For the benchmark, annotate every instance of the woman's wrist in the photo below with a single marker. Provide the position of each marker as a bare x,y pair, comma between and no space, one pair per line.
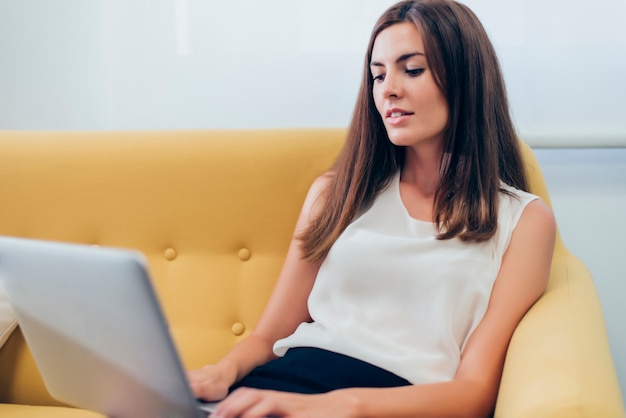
228,371
353,405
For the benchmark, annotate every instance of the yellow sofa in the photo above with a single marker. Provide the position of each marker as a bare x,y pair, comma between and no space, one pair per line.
213,211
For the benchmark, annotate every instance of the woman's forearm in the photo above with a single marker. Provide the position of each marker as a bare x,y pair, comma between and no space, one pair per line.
249,353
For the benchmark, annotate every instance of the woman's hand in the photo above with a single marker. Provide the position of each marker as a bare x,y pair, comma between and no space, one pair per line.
209,383
254,403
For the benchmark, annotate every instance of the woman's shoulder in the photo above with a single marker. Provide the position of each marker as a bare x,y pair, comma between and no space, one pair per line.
514,200
508,190
316,197
320,184
317,191
515,204
538,215
519,204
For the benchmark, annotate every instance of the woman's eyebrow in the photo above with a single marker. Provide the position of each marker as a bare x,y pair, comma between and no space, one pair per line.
400,59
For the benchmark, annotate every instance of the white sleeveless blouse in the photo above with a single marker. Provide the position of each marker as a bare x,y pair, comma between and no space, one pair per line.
391,294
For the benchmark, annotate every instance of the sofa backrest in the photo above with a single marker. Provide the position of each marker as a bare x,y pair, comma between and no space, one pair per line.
213,211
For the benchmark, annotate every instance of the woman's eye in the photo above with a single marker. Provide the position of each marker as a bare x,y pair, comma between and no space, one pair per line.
379,77
416,72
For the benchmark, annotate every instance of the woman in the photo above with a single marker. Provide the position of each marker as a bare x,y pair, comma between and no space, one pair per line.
415,257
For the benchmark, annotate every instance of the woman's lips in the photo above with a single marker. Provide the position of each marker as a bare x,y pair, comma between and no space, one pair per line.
397,116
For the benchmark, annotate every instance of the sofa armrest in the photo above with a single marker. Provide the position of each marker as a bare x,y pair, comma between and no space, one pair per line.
559,362
20,381
8,322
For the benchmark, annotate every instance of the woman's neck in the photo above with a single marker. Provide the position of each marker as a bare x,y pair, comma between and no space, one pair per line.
421,169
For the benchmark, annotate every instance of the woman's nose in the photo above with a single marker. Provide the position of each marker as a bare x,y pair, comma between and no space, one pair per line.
392,86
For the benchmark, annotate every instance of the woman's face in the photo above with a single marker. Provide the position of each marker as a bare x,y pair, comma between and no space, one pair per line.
413,108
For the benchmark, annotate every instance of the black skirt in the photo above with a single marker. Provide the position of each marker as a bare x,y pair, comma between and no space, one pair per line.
313,370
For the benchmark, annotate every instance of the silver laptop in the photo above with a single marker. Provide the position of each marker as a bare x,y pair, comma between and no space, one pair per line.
93,323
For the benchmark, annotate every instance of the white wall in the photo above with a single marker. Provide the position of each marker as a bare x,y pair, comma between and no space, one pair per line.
53,65
194,64
169,64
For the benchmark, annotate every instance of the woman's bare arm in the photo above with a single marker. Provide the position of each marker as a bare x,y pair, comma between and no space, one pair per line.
285,310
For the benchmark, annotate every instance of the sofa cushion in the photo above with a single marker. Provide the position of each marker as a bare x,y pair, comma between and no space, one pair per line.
7,317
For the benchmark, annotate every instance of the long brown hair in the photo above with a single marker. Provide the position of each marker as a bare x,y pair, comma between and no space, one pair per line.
480,147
